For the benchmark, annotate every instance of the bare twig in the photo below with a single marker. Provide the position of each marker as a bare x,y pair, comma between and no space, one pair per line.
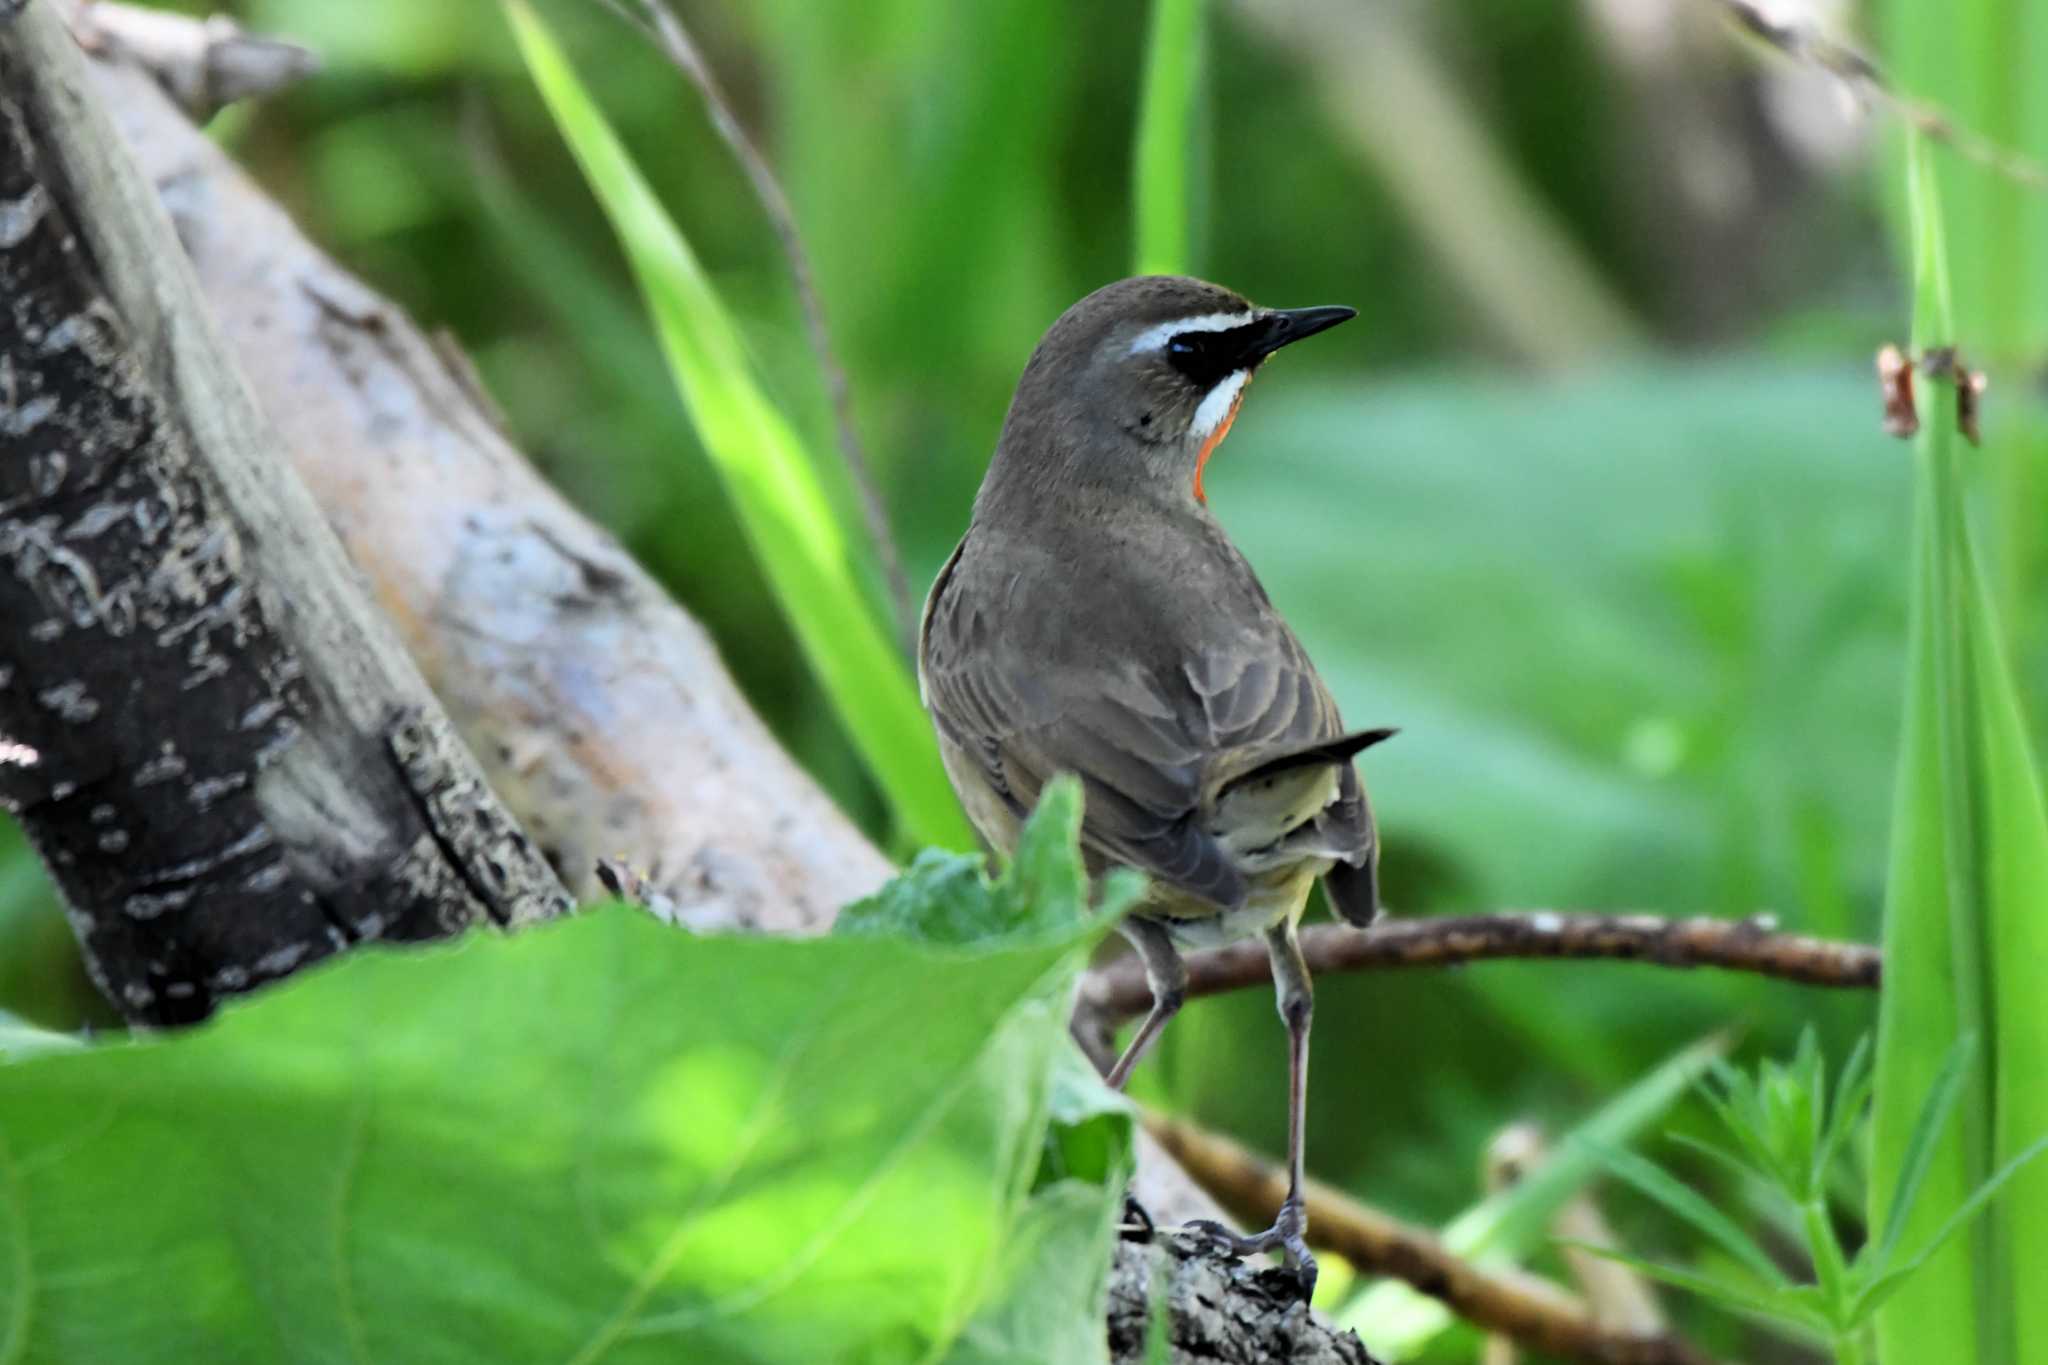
1809,46
1533,1311
204,65
1117,990
660,26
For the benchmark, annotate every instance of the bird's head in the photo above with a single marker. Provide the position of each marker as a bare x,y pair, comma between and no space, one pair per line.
1148,372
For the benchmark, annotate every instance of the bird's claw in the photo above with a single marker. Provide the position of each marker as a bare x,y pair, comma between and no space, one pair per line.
1286,1236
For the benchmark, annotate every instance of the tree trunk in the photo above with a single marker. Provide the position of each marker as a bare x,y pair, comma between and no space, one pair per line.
227,762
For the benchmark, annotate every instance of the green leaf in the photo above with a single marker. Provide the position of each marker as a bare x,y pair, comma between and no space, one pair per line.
596,1140
1046,879
1162,205
1689,1205
1056,1259
1090,1134
1726,1160
810,558
941,898
1884,1285
19,1038
945,898
1745,1111
1852,1093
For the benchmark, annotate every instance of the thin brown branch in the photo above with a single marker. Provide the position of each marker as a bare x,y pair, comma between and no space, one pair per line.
1531,1310
658,23
1808,45
1118,990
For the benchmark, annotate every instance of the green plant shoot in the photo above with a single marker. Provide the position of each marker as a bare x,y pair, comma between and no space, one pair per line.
1791,1136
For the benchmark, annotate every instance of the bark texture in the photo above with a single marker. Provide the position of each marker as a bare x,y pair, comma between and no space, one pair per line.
1219,1309
599,708
229,765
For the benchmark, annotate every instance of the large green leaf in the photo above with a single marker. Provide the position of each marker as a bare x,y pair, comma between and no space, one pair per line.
810,558
598,1140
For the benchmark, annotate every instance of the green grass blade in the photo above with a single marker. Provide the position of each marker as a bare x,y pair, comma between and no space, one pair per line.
1508,1227
1881,1287
1918,1157
811,560
1779,1306
1162,208
1852,1092
1967,945
1932,934
1689,1205
2015,835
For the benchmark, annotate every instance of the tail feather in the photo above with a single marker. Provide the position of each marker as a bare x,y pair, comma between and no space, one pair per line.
1322,753
1354,891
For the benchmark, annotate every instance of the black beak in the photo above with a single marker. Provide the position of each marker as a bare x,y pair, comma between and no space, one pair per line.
1285,326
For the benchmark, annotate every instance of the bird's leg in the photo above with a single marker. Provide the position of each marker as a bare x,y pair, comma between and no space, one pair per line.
1168,978
1296,999
1297,1003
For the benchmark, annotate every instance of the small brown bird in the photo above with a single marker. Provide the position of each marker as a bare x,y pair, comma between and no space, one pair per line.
1095,619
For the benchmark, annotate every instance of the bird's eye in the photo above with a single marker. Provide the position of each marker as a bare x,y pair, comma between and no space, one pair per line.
1180,346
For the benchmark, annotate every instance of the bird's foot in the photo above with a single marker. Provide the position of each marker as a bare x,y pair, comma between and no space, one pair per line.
1288,1236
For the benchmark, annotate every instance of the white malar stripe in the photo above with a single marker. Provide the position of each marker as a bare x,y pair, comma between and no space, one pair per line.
1216,405
1155,338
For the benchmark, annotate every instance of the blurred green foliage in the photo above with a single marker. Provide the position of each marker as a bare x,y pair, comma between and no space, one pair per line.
1641,620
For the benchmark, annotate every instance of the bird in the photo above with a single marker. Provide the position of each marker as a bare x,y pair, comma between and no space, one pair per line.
1096,619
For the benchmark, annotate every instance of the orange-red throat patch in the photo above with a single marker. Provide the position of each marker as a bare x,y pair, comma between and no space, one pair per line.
1216,439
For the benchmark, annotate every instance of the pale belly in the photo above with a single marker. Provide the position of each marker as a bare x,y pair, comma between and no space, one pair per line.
1276,896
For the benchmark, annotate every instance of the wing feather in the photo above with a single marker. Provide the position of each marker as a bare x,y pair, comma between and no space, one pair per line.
1141,739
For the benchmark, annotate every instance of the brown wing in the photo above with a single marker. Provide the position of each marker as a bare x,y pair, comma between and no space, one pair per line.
1140,738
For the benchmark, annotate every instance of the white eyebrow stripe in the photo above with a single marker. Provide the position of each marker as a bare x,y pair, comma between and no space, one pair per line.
1216,405
1155,338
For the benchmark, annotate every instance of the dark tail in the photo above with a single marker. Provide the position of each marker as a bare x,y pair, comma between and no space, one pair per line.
1328,752
1354,892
